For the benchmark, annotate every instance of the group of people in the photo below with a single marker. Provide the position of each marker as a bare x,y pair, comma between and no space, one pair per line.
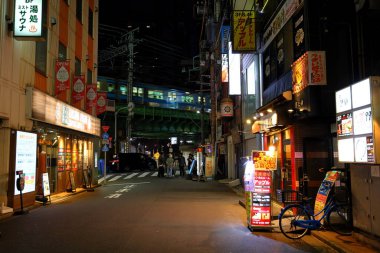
171,164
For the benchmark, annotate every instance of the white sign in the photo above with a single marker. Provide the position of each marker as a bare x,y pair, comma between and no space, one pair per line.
361,149
26,160
343,100
45,184
27,18
361,94
346,150
363,121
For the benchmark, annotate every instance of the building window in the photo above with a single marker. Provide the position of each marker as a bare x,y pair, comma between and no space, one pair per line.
41,56
78,68
188,99
123,89
172,96
79,10
90,21
156,94
138,92
89,76
62,51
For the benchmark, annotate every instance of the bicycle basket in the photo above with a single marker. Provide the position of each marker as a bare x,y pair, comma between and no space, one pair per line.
289,196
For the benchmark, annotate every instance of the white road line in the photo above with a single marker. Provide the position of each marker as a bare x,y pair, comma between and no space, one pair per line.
131,175
114,178
144,174
154,174
102,179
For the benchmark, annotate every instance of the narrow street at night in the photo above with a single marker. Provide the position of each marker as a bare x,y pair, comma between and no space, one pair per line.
144,213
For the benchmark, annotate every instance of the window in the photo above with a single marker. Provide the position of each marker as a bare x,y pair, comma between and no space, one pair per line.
123,89
79,10
41,56
138,92
188,99
157,94
172,96
200,99
77,67
90,21
62,51
89,76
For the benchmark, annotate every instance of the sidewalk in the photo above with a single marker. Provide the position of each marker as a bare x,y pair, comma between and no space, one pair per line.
343,244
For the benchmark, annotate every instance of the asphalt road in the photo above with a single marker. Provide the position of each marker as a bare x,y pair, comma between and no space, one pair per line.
145,214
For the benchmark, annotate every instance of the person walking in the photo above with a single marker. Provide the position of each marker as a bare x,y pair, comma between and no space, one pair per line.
175,165
169,165
182,164
161,165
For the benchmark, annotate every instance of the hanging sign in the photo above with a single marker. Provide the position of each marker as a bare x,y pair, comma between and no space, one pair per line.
91,97
27,18
243,23
78,88
62,70
101,102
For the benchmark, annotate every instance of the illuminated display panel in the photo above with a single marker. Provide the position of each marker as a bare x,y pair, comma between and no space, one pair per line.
346,150
363,121
343,100
361,94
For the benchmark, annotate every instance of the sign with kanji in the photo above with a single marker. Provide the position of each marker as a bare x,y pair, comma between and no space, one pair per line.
243,23
27,18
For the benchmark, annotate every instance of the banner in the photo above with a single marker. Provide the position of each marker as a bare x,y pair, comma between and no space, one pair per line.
91,97
62,76
101,102
78,88
243,31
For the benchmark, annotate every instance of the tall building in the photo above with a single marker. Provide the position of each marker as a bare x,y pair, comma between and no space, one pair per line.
48,124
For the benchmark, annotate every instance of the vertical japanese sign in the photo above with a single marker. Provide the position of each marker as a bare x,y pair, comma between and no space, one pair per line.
226,31
27,18
243,31
91,97
62,74
101,102
261,200
26,159
78,88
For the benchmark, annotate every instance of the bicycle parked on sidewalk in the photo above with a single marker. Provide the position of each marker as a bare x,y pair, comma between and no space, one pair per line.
298,218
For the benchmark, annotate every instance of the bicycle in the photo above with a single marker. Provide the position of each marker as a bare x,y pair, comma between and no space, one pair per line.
298,218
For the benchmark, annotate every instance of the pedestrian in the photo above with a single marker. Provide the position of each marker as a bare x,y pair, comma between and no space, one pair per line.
175,165
182,164
169,165
161,165
190,159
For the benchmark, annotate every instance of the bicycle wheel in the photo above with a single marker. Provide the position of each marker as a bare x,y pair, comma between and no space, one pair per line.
339,219
287,219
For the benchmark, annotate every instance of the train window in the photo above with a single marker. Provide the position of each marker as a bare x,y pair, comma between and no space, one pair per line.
138,92
157,94
188,99
123,89
111,87
172,96
199,99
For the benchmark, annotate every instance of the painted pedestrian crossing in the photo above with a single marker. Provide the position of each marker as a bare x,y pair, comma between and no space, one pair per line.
131,175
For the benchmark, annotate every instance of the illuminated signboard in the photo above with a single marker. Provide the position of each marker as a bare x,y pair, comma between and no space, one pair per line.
28,18
355,122
53,111
26,160
261,199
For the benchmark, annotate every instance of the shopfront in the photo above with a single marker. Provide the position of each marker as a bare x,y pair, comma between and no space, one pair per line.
67,138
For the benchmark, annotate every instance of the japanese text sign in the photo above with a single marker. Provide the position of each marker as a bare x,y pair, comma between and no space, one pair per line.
243,31
28,18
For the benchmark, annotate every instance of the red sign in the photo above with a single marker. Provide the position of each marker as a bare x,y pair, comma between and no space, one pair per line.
78,88
91,97
105,128
101,103
62,76
260,208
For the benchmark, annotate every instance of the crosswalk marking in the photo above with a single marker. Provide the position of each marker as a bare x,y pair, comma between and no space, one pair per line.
114,178
144,174
131,175
102,179
154,174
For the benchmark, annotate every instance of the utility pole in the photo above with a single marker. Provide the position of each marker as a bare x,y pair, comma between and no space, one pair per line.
131,44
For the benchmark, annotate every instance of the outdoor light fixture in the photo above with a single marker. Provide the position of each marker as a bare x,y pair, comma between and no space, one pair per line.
248,121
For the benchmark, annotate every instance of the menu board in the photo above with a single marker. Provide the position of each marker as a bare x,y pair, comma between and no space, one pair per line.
26,160
354,120
261,199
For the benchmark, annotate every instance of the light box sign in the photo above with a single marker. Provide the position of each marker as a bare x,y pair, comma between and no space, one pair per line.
26,160
355,122
28,18
53,111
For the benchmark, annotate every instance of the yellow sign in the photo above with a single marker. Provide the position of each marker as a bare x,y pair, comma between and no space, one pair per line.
243,31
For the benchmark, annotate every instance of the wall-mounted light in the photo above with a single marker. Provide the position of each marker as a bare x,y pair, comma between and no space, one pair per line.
53,21
248,121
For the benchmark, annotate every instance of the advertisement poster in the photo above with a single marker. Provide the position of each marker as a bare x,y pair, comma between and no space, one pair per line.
264,160
91,97
243,23
26,160
101,102
323,192
46,185
78,88
261,199
62,80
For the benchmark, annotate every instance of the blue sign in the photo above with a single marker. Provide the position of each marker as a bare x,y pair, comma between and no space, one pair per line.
105,136
105,148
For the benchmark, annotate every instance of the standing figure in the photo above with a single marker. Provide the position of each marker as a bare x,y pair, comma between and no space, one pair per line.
161,165
182,164
175,166
169,165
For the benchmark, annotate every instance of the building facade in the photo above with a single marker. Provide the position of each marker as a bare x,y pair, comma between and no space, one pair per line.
45,47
